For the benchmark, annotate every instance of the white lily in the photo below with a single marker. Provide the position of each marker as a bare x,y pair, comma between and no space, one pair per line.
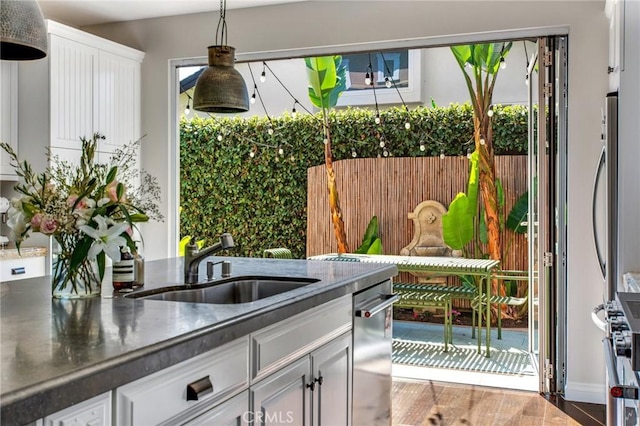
106,238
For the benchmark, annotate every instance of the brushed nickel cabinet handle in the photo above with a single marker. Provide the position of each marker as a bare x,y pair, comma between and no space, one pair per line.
199,388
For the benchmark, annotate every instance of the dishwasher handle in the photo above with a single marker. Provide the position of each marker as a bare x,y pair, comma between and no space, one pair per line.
376,306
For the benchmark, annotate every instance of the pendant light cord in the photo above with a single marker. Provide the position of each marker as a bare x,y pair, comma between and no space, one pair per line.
222,24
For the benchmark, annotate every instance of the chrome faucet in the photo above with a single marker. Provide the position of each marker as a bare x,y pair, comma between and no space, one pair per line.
193,256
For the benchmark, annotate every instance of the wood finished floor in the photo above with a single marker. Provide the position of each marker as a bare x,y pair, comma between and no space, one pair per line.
417,403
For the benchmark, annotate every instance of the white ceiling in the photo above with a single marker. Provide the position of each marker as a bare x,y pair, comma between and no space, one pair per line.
90,12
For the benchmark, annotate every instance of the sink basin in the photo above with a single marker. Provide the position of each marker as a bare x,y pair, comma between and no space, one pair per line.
228,291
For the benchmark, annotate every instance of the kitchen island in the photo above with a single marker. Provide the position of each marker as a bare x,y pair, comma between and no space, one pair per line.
57,353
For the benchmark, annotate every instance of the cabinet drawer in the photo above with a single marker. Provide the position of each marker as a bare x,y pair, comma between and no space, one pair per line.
163,395
283,342
26,267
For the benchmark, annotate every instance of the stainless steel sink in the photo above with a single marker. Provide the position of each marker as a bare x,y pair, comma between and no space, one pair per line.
227,291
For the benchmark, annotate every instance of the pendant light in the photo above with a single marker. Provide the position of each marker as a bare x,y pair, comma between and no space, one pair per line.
220,88
23,34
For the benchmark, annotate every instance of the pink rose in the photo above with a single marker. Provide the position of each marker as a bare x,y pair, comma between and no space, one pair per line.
111,192
48,225
36,222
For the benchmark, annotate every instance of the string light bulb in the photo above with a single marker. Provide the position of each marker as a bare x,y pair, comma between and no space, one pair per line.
382,143
490,113
407,125
253,97
252,154
263,75
422,147
469,152
270,130
387,82
294,113
354,154
442,155
187,109
367,79
526,80
280,151
219,136
482,142
385,153
377,119
503,63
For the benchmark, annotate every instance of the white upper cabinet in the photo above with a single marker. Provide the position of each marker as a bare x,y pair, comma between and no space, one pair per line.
8,115
94,88
614,10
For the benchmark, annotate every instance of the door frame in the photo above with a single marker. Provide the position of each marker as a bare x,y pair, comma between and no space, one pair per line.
559,311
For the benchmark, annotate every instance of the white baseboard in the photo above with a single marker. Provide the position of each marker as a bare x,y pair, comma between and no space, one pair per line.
585,392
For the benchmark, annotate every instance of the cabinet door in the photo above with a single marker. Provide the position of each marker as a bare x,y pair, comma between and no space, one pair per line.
92,412
331,374
234,412
8,115
117,100
283,397
72,73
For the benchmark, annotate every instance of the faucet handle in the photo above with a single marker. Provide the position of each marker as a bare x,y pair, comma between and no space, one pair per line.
192,246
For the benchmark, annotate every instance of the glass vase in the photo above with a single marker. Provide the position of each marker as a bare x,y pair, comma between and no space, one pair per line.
69,281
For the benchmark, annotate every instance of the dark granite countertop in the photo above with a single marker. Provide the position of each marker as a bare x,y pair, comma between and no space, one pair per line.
55,353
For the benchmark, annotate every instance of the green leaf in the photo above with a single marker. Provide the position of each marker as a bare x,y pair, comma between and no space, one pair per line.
473,187
80,252
518,214
370,235
111,175
376,247
457,223
101,258
326,78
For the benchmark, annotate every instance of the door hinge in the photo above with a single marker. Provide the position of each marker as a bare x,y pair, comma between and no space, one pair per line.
547,90
547,261
548,58
548,372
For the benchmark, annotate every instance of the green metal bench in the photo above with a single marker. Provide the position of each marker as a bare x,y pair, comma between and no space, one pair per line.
278,253
441,266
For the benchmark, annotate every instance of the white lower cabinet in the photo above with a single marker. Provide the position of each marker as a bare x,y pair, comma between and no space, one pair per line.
177,394
92,412
234,412
295,372
24,267
315,389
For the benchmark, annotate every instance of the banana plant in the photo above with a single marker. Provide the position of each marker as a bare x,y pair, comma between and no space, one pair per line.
327,80
371,243
480,64
458,222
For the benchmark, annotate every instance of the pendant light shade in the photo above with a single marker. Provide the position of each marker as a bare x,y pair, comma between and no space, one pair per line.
23,34
220,88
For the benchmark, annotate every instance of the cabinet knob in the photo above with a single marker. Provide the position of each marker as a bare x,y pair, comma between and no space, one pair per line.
199,388
319,380
312,385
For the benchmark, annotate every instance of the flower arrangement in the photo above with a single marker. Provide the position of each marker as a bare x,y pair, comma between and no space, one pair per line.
90,210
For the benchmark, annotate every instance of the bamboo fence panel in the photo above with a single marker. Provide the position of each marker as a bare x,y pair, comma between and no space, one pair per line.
391,188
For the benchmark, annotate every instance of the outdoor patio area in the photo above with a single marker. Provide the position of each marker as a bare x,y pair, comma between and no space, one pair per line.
418,353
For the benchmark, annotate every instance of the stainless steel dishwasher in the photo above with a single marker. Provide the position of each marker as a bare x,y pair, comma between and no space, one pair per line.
372,309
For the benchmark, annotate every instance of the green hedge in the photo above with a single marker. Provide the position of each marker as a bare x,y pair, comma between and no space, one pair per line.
261,199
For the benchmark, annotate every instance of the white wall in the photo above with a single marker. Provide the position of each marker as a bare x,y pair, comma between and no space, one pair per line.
320,23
